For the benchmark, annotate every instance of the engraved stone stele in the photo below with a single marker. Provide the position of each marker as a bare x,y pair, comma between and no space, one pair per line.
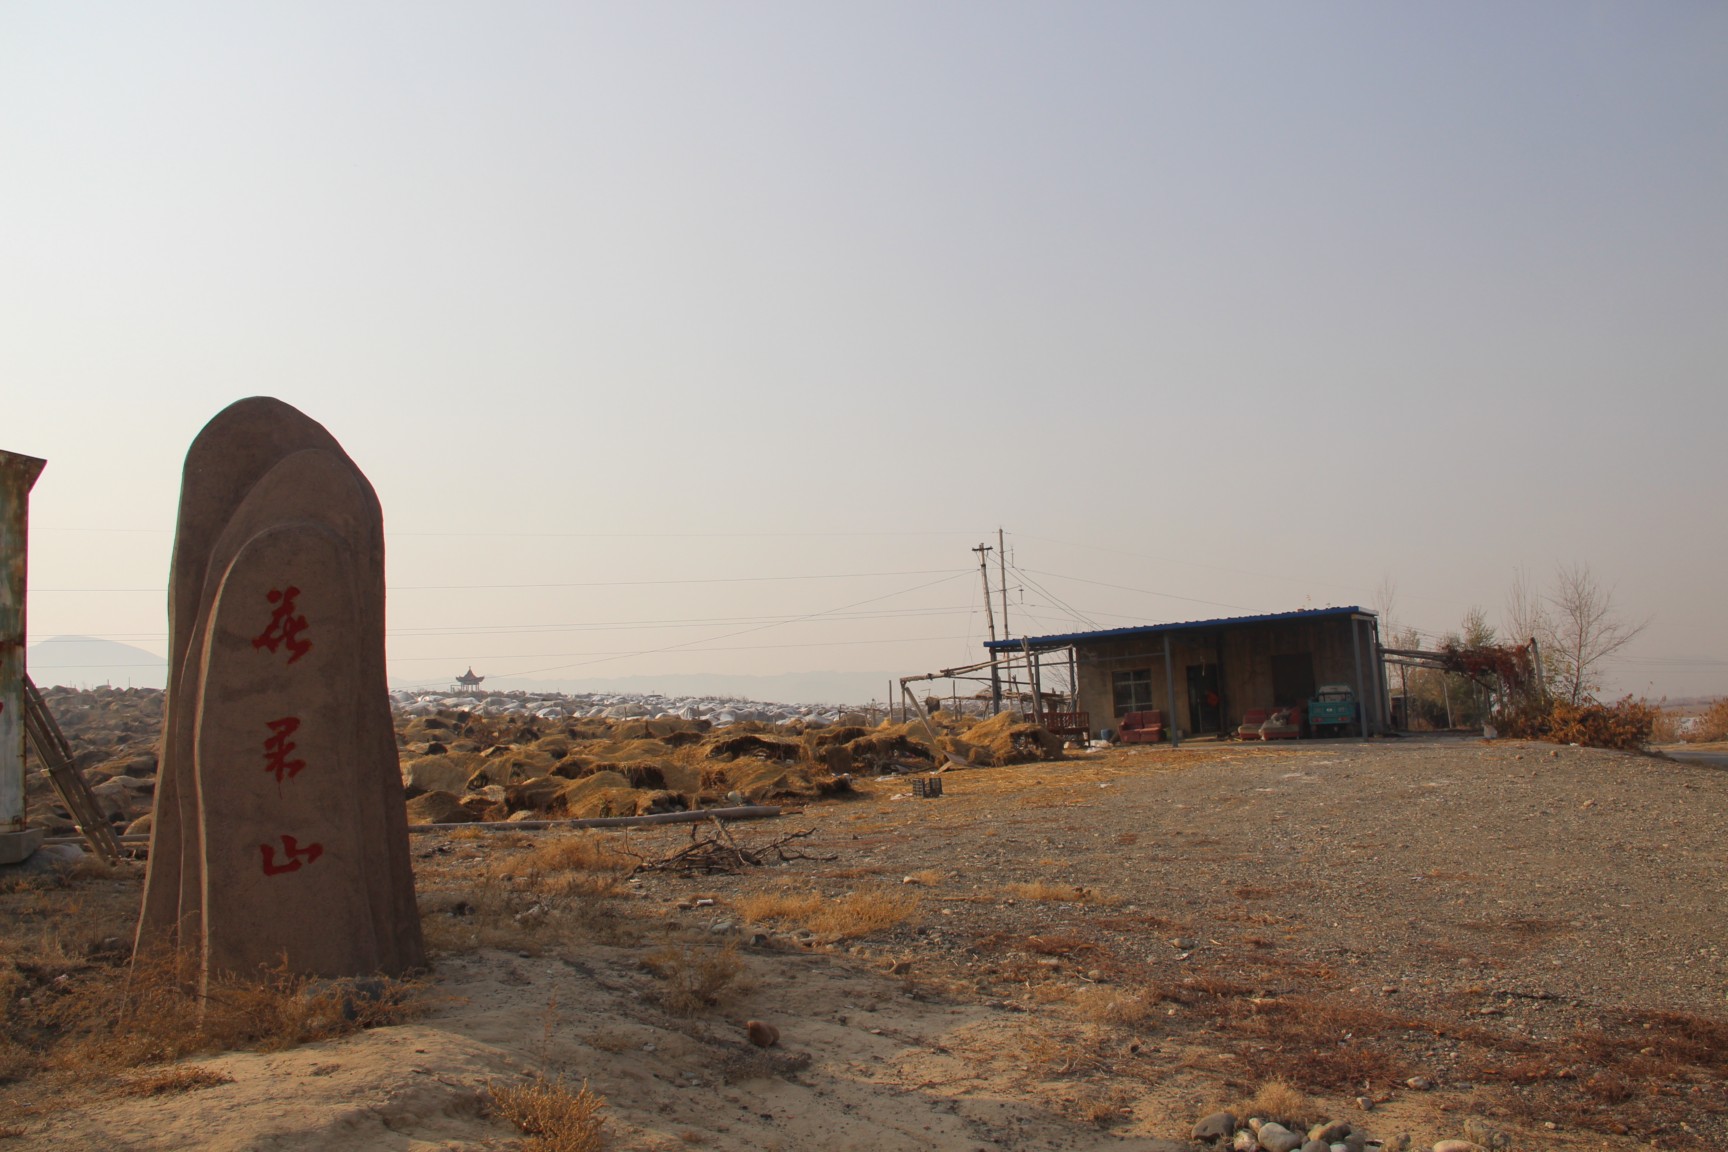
280,834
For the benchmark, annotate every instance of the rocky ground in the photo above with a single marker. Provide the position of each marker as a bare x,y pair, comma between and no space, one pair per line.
513,757
1440,939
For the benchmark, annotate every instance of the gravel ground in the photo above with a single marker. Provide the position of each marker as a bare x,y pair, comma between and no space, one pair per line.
1534,930
1575,880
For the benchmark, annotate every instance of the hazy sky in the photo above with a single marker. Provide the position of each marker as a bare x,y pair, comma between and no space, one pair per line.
661,326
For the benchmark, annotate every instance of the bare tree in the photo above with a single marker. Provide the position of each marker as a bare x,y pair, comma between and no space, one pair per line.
1586,629
1386,604
1525,614
1525,617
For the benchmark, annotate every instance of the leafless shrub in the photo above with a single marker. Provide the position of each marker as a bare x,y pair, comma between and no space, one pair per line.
692,979
553,1118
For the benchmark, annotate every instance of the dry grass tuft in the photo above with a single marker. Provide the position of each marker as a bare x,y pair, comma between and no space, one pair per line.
852,914
578,852
560,888
693,978
585,865
781,904
100,1019
1058,944
1124,1007
1278,1100
1051,892
1101,1106
187,1079
552,1117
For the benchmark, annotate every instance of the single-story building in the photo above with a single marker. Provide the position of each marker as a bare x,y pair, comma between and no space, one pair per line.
1205,675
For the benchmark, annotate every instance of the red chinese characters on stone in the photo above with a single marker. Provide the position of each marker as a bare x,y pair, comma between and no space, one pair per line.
277,746
284,628
292,856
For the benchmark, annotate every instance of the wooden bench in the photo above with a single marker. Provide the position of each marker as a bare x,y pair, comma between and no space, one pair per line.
1076,726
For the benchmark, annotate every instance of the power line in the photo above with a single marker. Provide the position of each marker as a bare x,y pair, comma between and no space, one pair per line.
758,628
1142,591
82,635
598,583
392,534
459,657
1077,616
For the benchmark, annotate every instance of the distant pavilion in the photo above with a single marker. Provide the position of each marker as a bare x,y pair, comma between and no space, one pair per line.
468,679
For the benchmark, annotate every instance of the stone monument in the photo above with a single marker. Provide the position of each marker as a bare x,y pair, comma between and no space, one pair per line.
279,833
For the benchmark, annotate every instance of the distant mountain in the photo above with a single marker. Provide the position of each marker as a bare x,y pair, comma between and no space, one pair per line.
786,687
86,661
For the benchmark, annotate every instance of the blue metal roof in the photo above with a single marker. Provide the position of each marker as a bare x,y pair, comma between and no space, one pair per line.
1063,640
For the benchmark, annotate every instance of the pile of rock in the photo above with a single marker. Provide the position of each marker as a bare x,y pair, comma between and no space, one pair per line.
114,734
1254,1134
1223,1130
496,757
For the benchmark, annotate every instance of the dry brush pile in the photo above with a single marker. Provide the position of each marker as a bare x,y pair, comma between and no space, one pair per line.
458,767
461,768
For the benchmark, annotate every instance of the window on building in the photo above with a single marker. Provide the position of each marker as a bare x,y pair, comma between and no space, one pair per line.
1133,690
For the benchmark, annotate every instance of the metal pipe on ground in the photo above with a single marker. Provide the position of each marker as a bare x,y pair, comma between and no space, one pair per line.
744,812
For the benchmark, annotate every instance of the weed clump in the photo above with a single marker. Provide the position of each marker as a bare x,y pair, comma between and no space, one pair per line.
1279,1100
692,979
104,1020
852,914
553,1118
1050,892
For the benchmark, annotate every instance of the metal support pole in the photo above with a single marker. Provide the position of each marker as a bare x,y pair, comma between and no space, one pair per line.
990,619
1361,700
1404,685
1170,697
1377,683
1382,686
17,476
1037,687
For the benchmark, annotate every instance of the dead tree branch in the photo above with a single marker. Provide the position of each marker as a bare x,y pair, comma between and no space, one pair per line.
717,852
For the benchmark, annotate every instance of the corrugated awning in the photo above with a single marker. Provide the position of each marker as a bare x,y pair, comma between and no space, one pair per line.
1063,640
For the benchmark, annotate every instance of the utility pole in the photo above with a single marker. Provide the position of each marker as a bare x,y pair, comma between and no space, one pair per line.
983,551
1002,559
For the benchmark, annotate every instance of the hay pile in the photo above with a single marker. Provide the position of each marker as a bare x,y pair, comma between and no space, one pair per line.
459,767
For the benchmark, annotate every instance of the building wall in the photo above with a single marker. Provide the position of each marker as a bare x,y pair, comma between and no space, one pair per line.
1243,656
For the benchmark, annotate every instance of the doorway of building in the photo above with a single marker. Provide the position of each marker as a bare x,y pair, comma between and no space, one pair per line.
1292,679
1205,705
